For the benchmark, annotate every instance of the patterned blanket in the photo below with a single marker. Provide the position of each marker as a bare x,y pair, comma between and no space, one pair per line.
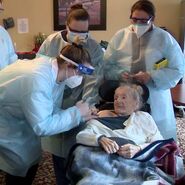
93,166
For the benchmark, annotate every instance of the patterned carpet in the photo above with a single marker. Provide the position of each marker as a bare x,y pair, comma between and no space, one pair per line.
45,174
181,134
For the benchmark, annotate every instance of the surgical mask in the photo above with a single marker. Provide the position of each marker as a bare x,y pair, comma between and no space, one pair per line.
73,81
141,29
73,35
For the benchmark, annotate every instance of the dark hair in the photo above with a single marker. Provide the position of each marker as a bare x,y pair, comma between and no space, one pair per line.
78,54
77,12
144,5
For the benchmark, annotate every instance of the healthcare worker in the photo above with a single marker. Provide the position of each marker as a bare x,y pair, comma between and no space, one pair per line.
150,55
7,51
77,30
30,100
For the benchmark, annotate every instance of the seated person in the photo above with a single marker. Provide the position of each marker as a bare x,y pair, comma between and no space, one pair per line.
122,133
135,125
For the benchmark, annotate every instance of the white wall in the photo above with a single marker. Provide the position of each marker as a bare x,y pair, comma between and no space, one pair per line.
40,16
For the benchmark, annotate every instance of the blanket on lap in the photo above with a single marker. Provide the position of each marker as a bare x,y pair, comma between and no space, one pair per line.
92,165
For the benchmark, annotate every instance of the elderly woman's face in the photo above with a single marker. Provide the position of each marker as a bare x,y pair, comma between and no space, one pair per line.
124,102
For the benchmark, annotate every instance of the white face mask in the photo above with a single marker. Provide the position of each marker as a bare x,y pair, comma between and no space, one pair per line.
71,35
140,29
73,81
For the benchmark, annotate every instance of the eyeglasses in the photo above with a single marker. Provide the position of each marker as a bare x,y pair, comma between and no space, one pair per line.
140,20
79,67
76,31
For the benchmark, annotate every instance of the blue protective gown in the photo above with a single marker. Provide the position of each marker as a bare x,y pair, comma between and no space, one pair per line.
88,90
30,101
7,51
126,52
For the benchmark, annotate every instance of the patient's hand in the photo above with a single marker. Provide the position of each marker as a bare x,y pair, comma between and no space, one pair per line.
108,145
128,150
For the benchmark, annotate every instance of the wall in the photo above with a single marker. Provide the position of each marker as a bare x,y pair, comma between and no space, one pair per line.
40,16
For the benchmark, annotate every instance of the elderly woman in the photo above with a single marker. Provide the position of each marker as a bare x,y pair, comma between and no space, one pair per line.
107,144
115,148
134,125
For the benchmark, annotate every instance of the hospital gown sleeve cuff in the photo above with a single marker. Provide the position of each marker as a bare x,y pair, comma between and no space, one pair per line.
151,81
98,139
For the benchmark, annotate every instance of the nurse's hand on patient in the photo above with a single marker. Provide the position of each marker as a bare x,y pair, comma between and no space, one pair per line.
128,150
85,111
108,145
142,77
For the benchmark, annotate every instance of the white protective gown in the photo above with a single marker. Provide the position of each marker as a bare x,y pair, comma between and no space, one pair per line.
139,128
89,89
60,144
126,52
7,51
30,101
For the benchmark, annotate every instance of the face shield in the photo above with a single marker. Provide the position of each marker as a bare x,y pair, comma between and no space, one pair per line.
87,70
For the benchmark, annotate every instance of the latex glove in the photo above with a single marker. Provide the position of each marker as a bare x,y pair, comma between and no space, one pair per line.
85,111
108,145
142,77
128,150
126,76
94,110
